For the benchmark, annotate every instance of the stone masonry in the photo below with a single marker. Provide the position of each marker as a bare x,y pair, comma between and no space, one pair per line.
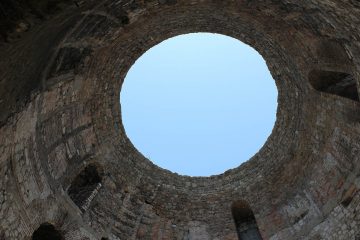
62,64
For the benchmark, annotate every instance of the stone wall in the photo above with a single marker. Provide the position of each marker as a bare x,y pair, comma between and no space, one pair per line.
59,102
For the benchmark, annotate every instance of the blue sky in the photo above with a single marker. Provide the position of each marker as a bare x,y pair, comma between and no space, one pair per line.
199,104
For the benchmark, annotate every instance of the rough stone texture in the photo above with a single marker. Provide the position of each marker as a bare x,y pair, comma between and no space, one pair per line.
59,112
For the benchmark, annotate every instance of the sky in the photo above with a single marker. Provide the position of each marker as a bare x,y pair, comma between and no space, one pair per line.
199,104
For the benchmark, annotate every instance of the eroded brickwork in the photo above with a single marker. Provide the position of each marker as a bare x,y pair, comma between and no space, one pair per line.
60,112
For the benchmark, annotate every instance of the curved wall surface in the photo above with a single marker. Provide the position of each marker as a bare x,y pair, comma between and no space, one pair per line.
66,163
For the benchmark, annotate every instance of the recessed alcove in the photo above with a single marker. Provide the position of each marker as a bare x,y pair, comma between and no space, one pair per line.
245,222
337,83
85,186
47,231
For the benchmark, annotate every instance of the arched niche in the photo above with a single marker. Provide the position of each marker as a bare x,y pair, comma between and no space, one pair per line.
47,231
85,186
337,83
245,222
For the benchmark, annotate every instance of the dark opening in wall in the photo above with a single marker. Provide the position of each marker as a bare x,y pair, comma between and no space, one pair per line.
85,187
346,202
349,196
338,83
245,221
46,231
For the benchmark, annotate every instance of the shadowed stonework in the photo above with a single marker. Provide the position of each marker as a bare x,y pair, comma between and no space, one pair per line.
84,187
245,221
60,75
46,231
